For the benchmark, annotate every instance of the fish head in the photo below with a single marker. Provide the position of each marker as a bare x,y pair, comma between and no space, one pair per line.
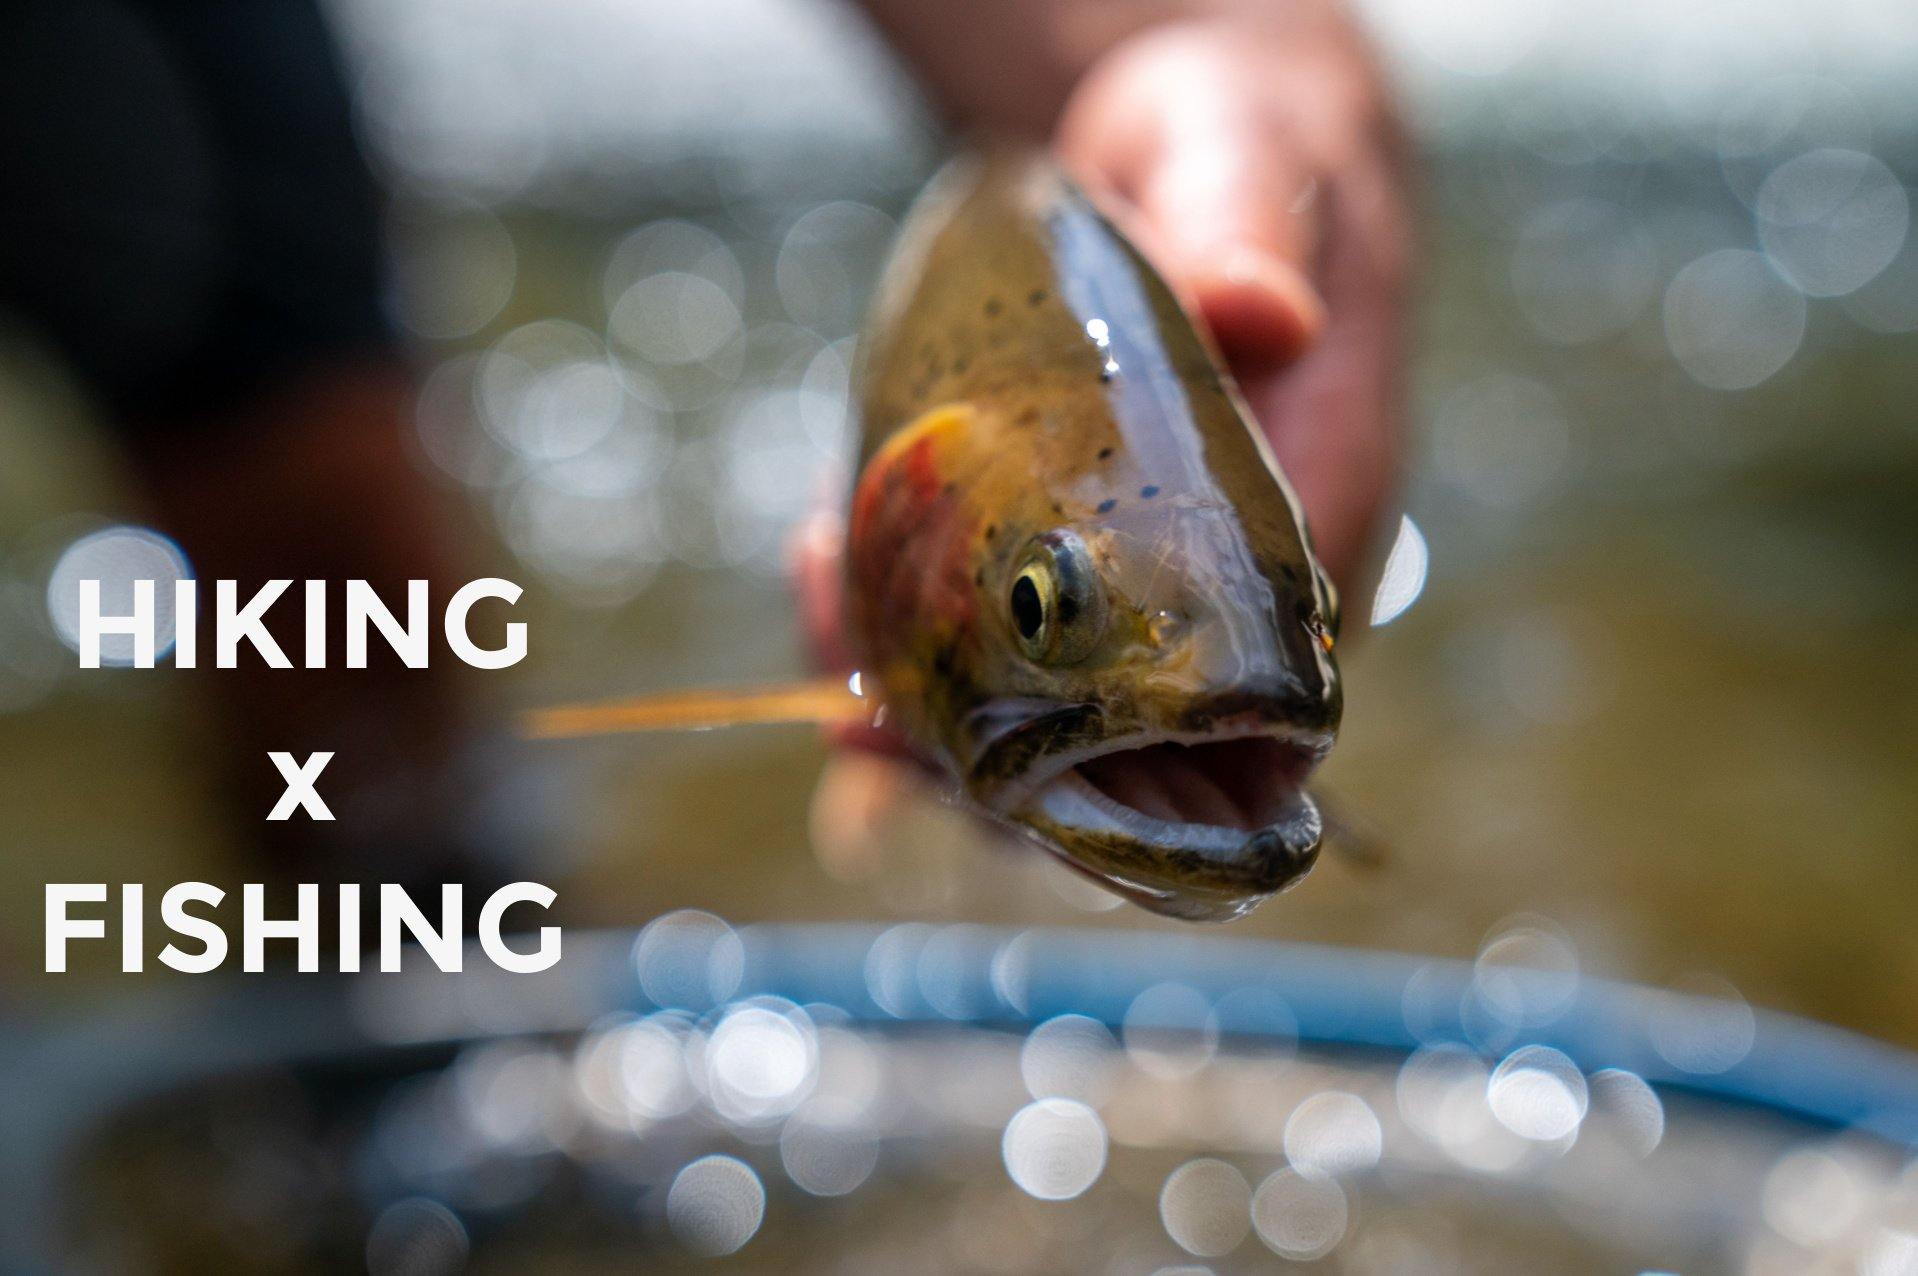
1149,687
1076,575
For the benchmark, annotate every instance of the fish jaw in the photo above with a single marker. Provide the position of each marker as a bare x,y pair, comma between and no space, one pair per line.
1201,824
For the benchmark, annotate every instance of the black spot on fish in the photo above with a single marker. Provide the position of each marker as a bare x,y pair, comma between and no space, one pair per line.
1108,505
960,365
1068,608
1058,508
1037,297
1104,452
979,578
1029,416
1107,372
992,530
1291,573
1149,491
993,307
951,488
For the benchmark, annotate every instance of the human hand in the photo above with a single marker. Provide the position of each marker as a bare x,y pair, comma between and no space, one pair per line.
1258,166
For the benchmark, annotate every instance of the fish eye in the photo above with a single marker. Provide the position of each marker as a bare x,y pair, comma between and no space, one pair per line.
1056,603
1028,608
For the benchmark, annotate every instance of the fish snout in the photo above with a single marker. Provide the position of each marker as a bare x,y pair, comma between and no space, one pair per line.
1282,702
1268,663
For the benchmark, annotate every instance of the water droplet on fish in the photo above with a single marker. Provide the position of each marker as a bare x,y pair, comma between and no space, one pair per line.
852,685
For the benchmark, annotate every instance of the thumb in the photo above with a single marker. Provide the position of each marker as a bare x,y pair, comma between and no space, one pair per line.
1234,226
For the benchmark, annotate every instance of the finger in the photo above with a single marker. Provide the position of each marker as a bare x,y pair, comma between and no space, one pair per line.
1334,419
1224,203
857,798
1234,223
814,555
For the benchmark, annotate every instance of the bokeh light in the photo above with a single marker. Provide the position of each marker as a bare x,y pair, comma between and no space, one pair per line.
1704,1026
1069,1057
1631,1108
1582,270
1169,1030
117,557
688,958
826,1150
1812,1197
1538,1094
1731,321
1300,1218
1832,219
1333,1133
1204,1206
761,1061
715,1205
1054,1149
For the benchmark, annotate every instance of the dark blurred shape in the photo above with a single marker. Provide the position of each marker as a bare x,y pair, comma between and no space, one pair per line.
193,228
188,215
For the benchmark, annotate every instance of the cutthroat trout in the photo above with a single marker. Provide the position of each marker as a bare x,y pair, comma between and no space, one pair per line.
1076,580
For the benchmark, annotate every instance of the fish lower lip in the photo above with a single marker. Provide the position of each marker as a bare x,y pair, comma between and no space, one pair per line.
1292,846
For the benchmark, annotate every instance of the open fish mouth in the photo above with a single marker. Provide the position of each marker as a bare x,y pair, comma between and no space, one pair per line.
1202,827
1231,786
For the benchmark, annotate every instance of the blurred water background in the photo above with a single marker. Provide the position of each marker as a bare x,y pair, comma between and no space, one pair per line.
1180,1119
1644,683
